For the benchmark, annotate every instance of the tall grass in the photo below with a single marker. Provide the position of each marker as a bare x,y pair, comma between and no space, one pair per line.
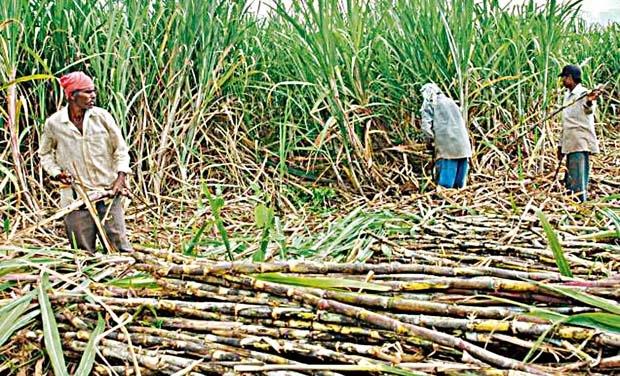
204,90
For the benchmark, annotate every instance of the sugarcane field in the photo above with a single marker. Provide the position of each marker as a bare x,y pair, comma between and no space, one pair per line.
316,187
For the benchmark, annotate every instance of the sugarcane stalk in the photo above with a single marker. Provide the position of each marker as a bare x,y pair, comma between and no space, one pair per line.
308,267
393,325
225,342
511,326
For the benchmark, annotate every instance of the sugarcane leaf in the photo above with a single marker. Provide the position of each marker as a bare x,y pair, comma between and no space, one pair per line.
6,225
319,282
140,280
261,252
615,218
545,315
596,320
20,323
13,266
31,77
539,342
189,249
533,310
594,301
263,216
398,371
10,313
88,357
216,204
51,336
556,248
6,285
259,255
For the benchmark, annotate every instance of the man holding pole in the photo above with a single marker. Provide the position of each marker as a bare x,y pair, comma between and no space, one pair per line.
82,148
578,134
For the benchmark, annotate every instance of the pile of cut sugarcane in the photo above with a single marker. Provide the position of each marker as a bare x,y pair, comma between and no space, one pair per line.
157,312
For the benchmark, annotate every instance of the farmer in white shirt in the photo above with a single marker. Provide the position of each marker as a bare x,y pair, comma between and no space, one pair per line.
578,134
443,122
82,144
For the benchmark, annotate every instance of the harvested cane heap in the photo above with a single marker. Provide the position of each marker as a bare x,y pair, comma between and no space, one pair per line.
453,305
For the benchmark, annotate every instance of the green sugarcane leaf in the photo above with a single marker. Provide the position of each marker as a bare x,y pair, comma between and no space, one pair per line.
51,336
10,313
189,249
6,225
259,255
321,283
88,358
546,315
6,285
31,77
556,248
398,371
263,216
216,203
539,342
13,266
601,235
261,252
594,301
20,323
615,218
596,320
140,280
533,310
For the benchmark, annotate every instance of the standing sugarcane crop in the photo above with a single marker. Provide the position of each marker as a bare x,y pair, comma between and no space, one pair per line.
442,121
81,140
578,134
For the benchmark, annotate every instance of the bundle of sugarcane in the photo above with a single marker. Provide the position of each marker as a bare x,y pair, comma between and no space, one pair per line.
163,313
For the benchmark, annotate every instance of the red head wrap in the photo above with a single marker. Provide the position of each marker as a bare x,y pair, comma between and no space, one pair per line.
75,81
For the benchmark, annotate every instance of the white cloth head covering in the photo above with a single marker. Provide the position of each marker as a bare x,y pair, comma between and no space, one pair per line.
430,91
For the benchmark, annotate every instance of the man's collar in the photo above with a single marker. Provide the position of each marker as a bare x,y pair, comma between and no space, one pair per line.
64,115
578,89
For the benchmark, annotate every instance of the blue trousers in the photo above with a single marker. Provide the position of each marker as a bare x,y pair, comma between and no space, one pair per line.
451,173
578,175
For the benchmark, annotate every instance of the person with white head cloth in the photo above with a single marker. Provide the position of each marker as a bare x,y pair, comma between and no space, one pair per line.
442,122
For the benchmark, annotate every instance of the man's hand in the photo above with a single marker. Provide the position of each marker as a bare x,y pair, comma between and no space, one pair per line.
429,145
64,177
593,95
118,187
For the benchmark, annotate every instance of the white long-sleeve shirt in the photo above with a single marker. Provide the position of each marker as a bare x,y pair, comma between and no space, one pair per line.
97,155
443,122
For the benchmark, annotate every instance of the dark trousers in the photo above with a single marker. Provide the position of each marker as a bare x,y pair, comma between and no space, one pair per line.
82,231
578,174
